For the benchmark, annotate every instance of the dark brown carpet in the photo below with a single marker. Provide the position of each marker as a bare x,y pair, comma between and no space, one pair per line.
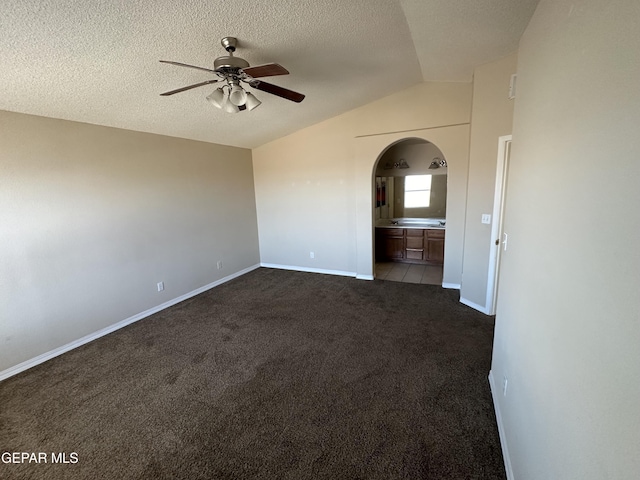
274,375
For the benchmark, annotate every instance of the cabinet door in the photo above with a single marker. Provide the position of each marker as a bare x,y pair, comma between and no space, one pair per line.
389,243
393,247
435,250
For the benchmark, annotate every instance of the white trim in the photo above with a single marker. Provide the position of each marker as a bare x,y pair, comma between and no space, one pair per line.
364,277
475,306
309,269
21,367
455,286
496,226
501,432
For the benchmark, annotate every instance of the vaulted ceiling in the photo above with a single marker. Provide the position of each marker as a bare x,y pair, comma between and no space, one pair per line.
96,61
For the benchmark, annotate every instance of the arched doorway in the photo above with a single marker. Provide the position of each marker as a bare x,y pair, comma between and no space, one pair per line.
409,211
453,141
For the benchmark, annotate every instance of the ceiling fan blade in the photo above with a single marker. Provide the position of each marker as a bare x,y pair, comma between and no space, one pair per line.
279,91
189,66
266,70
188,87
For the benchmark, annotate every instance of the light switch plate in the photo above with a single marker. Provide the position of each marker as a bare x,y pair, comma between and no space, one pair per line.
486,218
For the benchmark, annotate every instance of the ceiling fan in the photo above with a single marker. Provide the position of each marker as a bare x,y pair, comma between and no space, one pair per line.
231,72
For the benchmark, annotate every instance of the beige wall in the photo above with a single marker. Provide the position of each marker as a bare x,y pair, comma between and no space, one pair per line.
491,117
93,217
568,320
314,187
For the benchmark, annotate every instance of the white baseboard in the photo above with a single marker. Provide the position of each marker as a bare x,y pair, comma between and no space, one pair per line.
364,277
503,438
310,270
455,286
475,306
21,367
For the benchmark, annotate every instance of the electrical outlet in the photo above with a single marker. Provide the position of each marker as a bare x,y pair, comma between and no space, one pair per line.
486,218
219,264
160,286
505,382
312,255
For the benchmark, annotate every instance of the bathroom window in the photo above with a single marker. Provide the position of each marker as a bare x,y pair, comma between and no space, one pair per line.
417,191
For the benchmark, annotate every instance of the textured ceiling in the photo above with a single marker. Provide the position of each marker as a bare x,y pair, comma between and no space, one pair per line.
96,61
451,37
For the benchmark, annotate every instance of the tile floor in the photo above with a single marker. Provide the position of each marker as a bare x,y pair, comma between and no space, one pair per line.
409,273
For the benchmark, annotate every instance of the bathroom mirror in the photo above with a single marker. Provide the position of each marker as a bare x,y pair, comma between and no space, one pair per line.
411,181
412,196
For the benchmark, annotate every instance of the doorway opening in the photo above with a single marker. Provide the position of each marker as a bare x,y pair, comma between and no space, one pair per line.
409,212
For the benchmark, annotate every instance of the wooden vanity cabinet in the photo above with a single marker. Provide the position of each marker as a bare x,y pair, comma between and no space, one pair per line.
410,245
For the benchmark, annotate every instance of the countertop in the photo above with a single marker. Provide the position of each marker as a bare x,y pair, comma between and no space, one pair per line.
423,224
423,227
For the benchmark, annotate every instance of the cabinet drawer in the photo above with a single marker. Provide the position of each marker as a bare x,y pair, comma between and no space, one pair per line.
415,232
390,232
415,242
432,233
414,254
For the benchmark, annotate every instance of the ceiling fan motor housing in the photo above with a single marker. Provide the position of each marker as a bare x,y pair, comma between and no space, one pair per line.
229,64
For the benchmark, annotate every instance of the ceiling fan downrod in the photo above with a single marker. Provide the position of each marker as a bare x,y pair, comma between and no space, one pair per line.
228,64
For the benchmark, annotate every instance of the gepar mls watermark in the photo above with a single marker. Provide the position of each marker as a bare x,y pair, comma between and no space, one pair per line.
39,457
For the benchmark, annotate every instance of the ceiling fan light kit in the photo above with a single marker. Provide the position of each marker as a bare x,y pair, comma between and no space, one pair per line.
237,95
216,97
252,101
231,71
230,107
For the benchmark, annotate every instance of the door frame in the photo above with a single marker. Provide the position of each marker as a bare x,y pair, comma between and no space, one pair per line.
502,167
